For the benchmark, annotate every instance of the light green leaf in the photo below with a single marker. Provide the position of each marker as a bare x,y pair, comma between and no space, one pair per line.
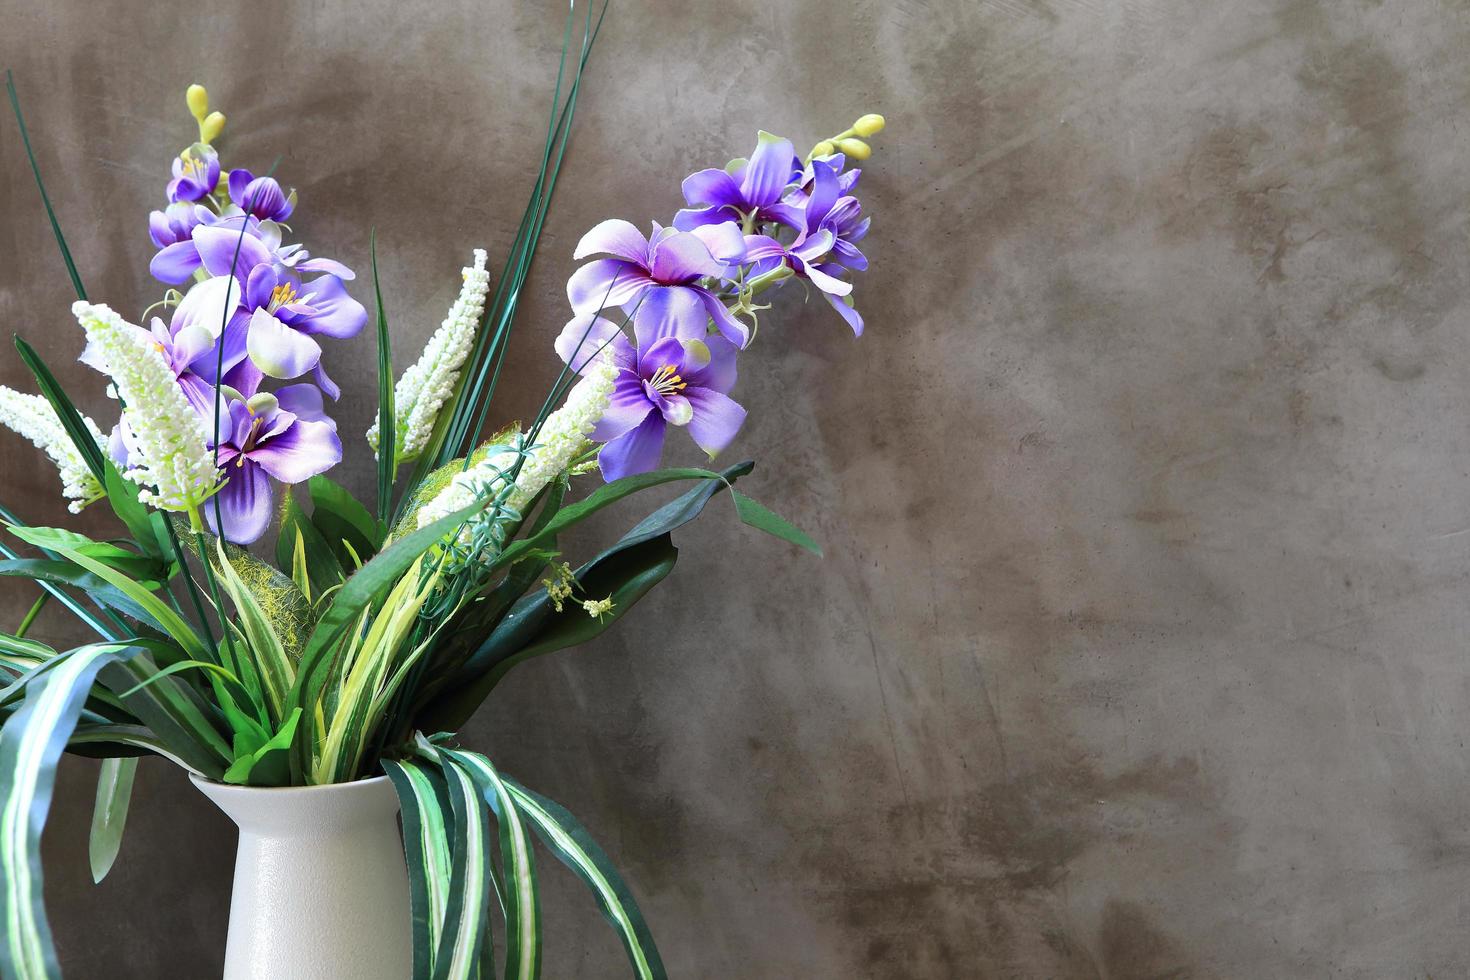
110,813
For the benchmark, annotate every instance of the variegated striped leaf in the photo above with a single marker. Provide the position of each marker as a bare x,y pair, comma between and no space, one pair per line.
31,742
574,847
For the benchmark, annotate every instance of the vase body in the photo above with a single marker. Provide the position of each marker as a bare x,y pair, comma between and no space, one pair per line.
321,888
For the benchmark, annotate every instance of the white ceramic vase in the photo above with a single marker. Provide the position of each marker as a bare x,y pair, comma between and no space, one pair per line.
321,888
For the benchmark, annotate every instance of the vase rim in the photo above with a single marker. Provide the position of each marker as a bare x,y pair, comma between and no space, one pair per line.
215,786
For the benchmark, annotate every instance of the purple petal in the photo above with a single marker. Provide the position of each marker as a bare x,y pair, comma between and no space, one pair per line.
244,377
759,248
681,257
259,285
635,451
824,193
625,409
327,385
585,335
217,249
787,214
200,394
302,451
735,331
614,237
716,420
336,313
770,169
329,266
239,181
668,312
159,229
232,354
279,351
712,187
725,242
665,352
605,282
843,305
190,343
244,502
204,306
175,263
847,254
827,282
689,219
718,372
305,402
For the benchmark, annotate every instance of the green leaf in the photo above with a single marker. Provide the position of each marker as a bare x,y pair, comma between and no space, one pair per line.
322,568
25,138
464,931
366,586
31,743
763,519
175,625
424,803
110,813
344,522
387,429
603,496
522,904
574,847
628,577
58,572
71,419
266,653
266,765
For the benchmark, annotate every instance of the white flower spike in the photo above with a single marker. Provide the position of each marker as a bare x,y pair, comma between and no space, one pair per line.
33,417
427,384
167,441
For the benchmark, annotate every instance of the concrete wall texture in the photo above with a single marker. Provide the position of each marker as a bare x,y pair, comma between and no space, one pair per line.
1138,646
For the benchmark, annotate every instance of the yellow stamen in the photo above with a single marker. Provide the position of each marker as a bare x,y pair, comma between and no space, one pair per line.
666,382
282,295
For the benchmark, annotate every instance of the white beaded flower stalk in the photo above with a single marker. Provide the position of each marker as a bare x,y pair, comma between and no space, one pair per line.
562,438
427,384
32,417
167,440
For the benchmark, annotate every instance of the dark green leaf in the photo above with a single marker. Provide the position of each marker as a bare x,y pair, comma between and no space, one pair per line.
340,517
387,430
763,519
25,138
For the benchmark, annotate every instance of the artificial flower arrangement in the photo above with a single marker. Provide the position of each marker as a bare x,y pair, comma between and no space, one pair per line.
351,640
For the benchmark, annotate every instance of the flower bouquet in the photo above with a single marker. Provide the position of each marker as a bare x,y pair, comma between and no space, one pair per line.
261,627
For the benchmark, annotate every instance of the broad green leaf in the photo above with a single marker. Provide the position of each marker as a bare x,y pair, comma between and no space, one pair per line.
267,765
467,904
763,519
574,847
299,534
423,800
345,523
58,572
110,813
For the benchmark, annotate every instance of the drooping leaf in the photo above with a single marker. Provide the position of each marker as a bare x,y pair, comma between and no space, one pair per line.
110,813
574,847
764,519
31,742
424,802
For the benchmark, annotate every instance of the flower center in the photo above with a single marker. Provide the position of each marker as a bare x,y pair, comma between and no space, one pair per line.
282,295
193,166
249,443
666,382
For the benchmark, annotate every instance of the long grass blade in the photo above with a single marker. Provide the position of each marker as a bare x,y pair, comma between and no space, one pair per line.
25,138
387,431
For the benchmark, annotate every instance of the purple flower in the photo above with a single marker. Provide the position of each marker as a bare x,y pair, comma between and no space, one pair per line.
269,436
826,203
670,261
753,187
814,255
196,172
678,374
261,197
285,312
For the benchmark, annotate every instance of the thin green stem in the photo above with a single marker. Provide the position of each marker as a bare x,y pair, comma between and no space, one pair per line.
25,624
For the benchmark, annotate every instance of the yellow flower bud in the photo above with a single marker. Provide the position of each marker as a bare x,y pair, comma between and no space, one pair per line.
824,149
210,128
869,125
856,149
198,100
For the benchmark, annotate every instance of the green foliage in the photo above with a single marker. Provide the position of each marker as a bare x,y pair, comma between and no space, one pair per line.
110,813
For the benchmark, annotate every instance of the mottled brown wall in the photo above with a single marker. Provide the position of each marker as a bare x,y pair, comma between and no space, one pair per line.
1138,647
